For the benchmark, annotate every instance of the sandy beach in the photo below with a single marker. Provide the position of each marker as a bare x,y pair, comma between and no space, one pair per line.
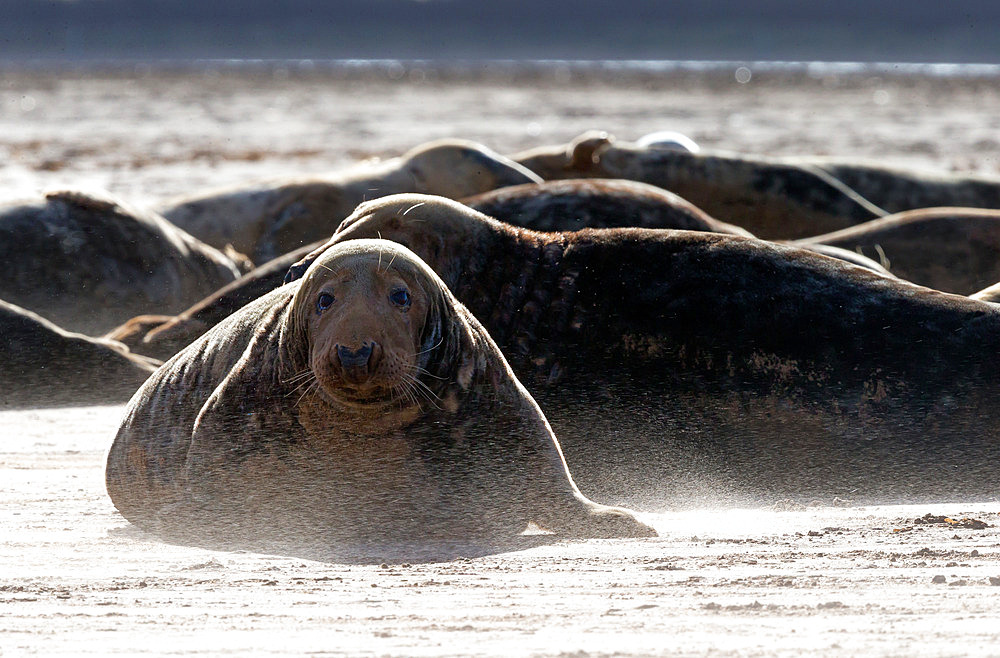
791,577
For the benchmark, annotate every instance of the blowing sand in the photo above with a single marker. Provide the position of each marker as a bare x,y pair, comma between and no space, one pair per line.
785,579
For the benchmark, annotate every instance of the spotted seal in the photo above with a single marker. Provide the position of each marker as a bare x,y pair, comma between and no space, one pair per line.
363,401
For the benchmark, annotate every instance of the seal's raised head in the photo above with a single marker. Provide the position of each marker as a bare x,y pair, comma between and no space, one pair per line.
372,314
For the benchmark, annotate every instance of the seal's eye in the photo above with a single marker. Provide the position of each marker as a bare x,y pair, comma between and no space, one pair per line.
323,302
400,297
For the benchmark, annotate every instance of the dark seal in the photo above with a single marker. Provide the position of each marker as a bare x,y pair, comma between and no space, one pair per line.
570,205
954,250
771,198
364,402
89,263
42,365
691,366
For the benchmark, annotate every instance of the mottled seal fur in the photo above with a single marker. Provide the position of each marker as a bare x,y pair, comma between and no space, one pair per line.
272,218
89,262
771,198
685,365
363,402
569,205
954,250
42,365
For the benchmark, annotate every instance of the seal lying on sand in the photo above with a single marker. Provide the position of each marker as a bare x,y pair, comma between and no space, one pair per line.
896,190
89,263
770,198
42,365
162,336
686,364
570,205
364,402
949,249
277,217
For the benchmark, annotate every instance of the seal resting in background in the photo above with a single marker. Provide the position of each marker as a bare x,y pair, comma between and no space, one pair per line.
88,262
897,189
275,217
570,205
162,336
364,402
954,250
771,198
42,365
693,366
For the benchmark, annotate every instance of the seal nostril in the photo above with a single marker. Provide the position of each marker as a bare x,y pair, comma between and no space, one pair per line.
354,358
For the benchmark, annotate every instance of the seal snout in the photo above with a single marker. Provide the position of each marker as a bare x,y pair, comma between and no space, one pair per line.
358,364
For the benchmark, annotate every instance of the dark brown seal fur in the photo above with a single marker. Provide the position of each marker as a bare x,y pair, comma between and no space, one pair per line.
340,408
272,218
570,205
949,249
88,263
42,365
668,360
771,198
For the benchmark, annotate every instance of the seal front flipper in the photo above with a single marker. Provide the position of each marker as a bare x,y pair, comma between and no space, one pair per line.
541,489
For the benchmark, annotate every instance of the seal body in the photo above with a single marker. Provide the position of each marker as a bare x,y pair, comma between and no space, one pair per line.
771,198
162,336
570,205
363,402
272,218
896,190
42,365
954,250
694,366
89,263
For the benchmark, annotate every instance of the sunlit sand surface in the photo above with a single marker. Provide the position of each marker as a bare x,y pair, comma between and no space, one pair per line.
76,579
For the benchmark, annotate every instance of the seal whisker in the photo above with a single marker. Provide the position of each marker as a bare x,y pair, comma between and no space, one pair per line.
413,207
298,376
432,347
425,372
306,382
422,389
313,385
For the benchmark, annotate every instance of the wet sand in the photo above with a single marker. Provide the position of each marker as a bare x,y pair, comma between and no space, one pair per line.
784,579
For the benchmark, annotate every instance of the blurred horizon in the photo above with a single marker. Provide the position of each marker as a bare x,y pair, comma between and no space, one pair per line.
918,31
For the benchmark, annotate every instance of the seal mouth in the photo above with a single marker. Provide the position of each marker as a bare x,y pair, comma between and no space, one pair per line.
370,398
